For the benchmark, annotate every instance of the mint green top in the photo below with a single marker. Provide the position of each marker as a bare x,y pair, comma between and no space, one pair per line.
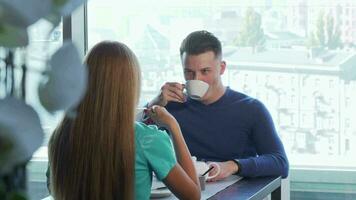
154,153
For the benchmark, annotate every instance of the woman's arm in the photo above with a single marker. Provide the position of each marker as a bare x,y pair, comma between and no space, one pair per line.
182,180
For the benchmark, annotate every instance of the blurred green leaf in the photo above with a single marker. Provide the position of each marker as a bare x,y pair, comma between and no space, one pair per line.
5,148
11,36
17,196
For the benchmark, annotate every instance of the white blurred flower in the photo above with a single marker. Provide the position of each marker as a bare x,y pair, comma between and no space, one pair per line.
67,80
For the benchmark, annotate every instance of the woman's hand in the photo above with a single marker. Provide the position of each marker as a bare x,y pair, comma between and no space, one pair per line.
161,116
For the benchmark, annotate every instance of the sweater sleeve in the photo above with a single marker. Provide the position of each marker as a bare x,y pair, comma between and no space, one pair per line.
271,158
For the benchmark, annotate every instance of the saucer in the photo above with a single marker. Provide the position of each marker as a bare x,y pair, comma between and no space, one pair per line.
160,193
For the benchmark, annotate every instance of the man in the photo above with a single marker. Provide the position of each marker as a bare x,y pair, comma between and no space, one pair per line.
225,126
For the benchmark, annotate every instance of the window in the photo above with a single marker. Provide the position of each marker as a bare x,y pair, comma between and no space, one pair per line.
347,102
304,80
331,83
246,79
155,33
292,99
292,81
317,82
347,123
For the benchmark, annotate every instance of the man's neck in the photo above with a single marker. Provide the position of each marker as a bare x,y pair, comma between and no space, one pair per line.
218,93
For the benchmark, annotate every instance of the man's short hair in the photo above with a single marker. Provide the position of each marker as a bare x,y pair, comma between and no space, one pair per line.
199,42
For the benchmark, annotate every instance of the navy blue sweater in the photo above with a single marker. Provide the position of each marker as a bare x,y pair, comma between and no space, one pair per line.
234,127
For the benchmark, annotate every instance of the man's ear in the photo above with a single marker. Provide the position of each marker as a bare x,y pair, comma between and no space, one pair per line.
222,67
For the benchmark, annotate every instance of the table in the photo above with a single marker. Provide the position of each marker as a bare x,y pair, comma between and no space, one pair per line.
248,188
211,188
252,189
242,189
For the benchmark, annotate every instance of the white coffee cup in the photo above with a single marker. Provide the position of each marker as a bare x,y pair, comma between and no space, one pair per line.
196,89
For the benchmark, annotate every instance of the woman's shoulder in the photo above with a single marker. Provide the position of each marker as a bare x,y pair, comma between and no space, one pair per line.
145,129
142,131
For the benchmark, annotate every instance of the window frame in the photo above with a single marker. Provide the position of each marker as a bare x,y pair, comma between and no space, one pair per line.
75,28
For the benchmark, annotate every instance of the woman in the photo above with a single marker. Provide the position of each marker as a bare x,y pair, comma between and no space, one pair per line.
103,153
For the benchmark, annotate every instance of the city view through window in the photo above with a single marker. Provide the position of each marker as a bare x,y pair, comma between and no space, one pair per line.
297,56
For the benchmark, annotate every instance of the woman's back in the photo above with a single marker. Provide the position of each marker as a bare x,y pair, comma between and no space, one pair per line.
102,153
154,153
92,155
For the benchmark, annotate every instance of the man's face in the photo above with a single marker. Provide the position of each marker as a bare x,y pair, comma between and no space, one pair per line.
205,67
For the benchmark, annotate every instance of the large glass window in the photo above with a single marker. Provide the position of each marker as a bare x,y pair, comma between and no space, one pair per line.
299,67
304,87
311,103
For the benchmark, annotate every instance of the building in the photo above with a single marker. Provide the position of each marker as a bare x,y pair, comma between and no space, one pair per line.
307,95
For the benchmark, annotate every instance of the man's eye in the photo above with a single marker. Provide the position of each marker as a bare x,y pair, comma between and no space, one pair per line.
188,73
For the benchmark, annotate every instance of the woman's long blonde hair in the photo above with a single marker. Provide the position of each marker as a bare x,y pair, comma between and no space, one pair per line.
93,155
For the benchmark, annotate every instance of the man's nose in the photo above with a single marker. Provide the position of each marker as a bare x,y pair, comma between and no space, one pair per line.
197,76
